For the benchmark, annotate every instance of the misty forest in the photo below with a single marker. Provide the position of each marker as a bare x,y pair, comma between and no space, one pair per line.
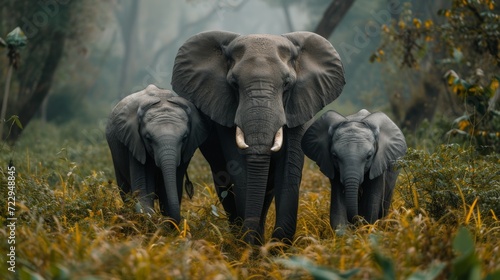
73,205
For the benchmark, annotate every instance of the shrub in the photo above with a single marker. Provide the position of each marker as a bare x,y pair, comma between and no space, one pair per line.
452,177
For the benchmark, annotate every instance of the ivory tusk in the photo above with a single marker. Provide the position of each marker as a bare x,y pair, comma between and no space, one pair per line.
240,138
278,140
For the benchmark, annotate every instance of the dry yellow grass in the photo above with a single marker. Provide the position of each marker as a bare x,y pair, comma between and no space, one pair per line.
72,224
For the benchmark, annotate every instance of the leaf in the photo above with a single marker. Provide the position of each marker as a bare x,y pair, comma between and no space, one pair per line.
463,242
386,265
493,276
15,119
317,272
223,194
16,38
3,44
215,211
466,265
457,55
428,274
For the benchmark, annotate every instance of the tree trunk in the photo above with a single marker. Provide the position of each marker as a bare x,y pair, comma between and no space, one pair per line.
286,10
29,109
128,27
332,17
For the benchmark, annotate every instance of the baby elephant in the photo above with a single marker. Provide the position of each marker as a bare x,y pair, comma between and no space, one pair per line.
357,153
152,135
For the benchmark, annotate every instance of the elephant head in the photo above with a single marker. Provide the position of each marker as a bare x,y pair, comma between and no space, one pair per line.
160,125
258,84
352,147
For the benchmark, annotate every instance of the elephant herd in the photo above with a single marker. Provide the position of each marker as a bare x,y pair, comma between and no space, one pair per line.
247,102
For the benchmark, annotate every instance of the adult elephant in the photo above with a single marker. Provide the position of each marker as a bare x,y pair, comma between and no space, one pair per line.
259,90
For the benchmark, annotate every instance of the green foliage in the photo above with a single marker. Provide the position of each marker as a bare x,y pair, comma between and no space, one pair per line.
465,37
467,265
451,178
480,122
388,270
16,39
317,272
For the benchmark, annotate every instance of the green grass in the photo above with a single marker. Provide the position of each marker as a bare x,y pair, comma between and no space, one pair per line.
72,224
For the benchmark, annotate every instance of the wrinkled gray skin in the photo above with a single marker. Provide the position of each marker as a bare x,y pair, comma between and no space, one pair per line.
152,135
357,153
259,86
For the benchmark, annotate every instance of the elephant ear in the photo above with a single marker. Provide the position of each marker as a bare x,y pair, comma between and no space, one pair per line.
320,77
391,142
198,127
124,121
199,75
317,141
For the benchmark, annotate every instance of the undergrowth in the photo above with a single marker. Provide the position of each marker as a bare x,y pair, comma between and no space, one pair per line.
72,224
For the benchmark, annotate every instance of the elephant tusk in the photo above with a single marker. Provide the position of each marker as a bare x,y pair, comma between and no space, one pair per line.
278,140
240,138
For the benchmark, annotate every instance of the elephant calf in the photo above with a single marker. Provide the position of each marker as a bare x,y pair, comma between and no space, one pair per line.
152,135
357,153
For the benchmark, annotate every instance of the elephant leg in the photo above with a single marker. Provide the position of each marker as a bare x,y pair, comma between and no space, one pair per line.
288,176
370,204
213,153
338,214
391,175
120,156
139,183
181,172
160,191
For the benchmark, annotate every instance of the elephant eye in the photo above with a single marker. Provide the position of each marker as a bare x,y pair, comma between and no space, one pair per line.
148,138
233,81
369,156
286,83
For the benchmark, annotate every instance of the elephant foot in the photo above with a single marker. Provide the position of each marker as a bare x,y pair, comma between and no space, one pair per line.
252,233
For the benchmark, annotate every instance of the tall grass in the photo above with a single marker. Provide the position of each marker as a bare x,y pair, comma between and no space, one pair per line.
72,224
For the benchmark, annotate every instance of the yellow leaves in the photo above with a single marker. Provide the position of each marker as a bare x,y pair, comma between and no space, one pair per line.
428,24
490,4
377,56
494,84
417,22
447,13
401,24
463,124
385,28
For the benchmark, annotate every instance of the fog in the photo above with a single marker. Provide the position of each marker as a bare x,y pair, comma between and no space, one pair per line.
162,27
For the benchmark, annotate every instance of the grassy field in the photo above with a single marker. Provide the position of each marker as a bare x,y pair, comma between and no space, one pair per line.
71,223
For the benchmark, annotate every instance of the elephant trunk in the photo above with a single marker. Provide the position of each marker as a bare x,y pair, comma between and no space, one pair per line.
259,120
351,198
257,173
171,202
